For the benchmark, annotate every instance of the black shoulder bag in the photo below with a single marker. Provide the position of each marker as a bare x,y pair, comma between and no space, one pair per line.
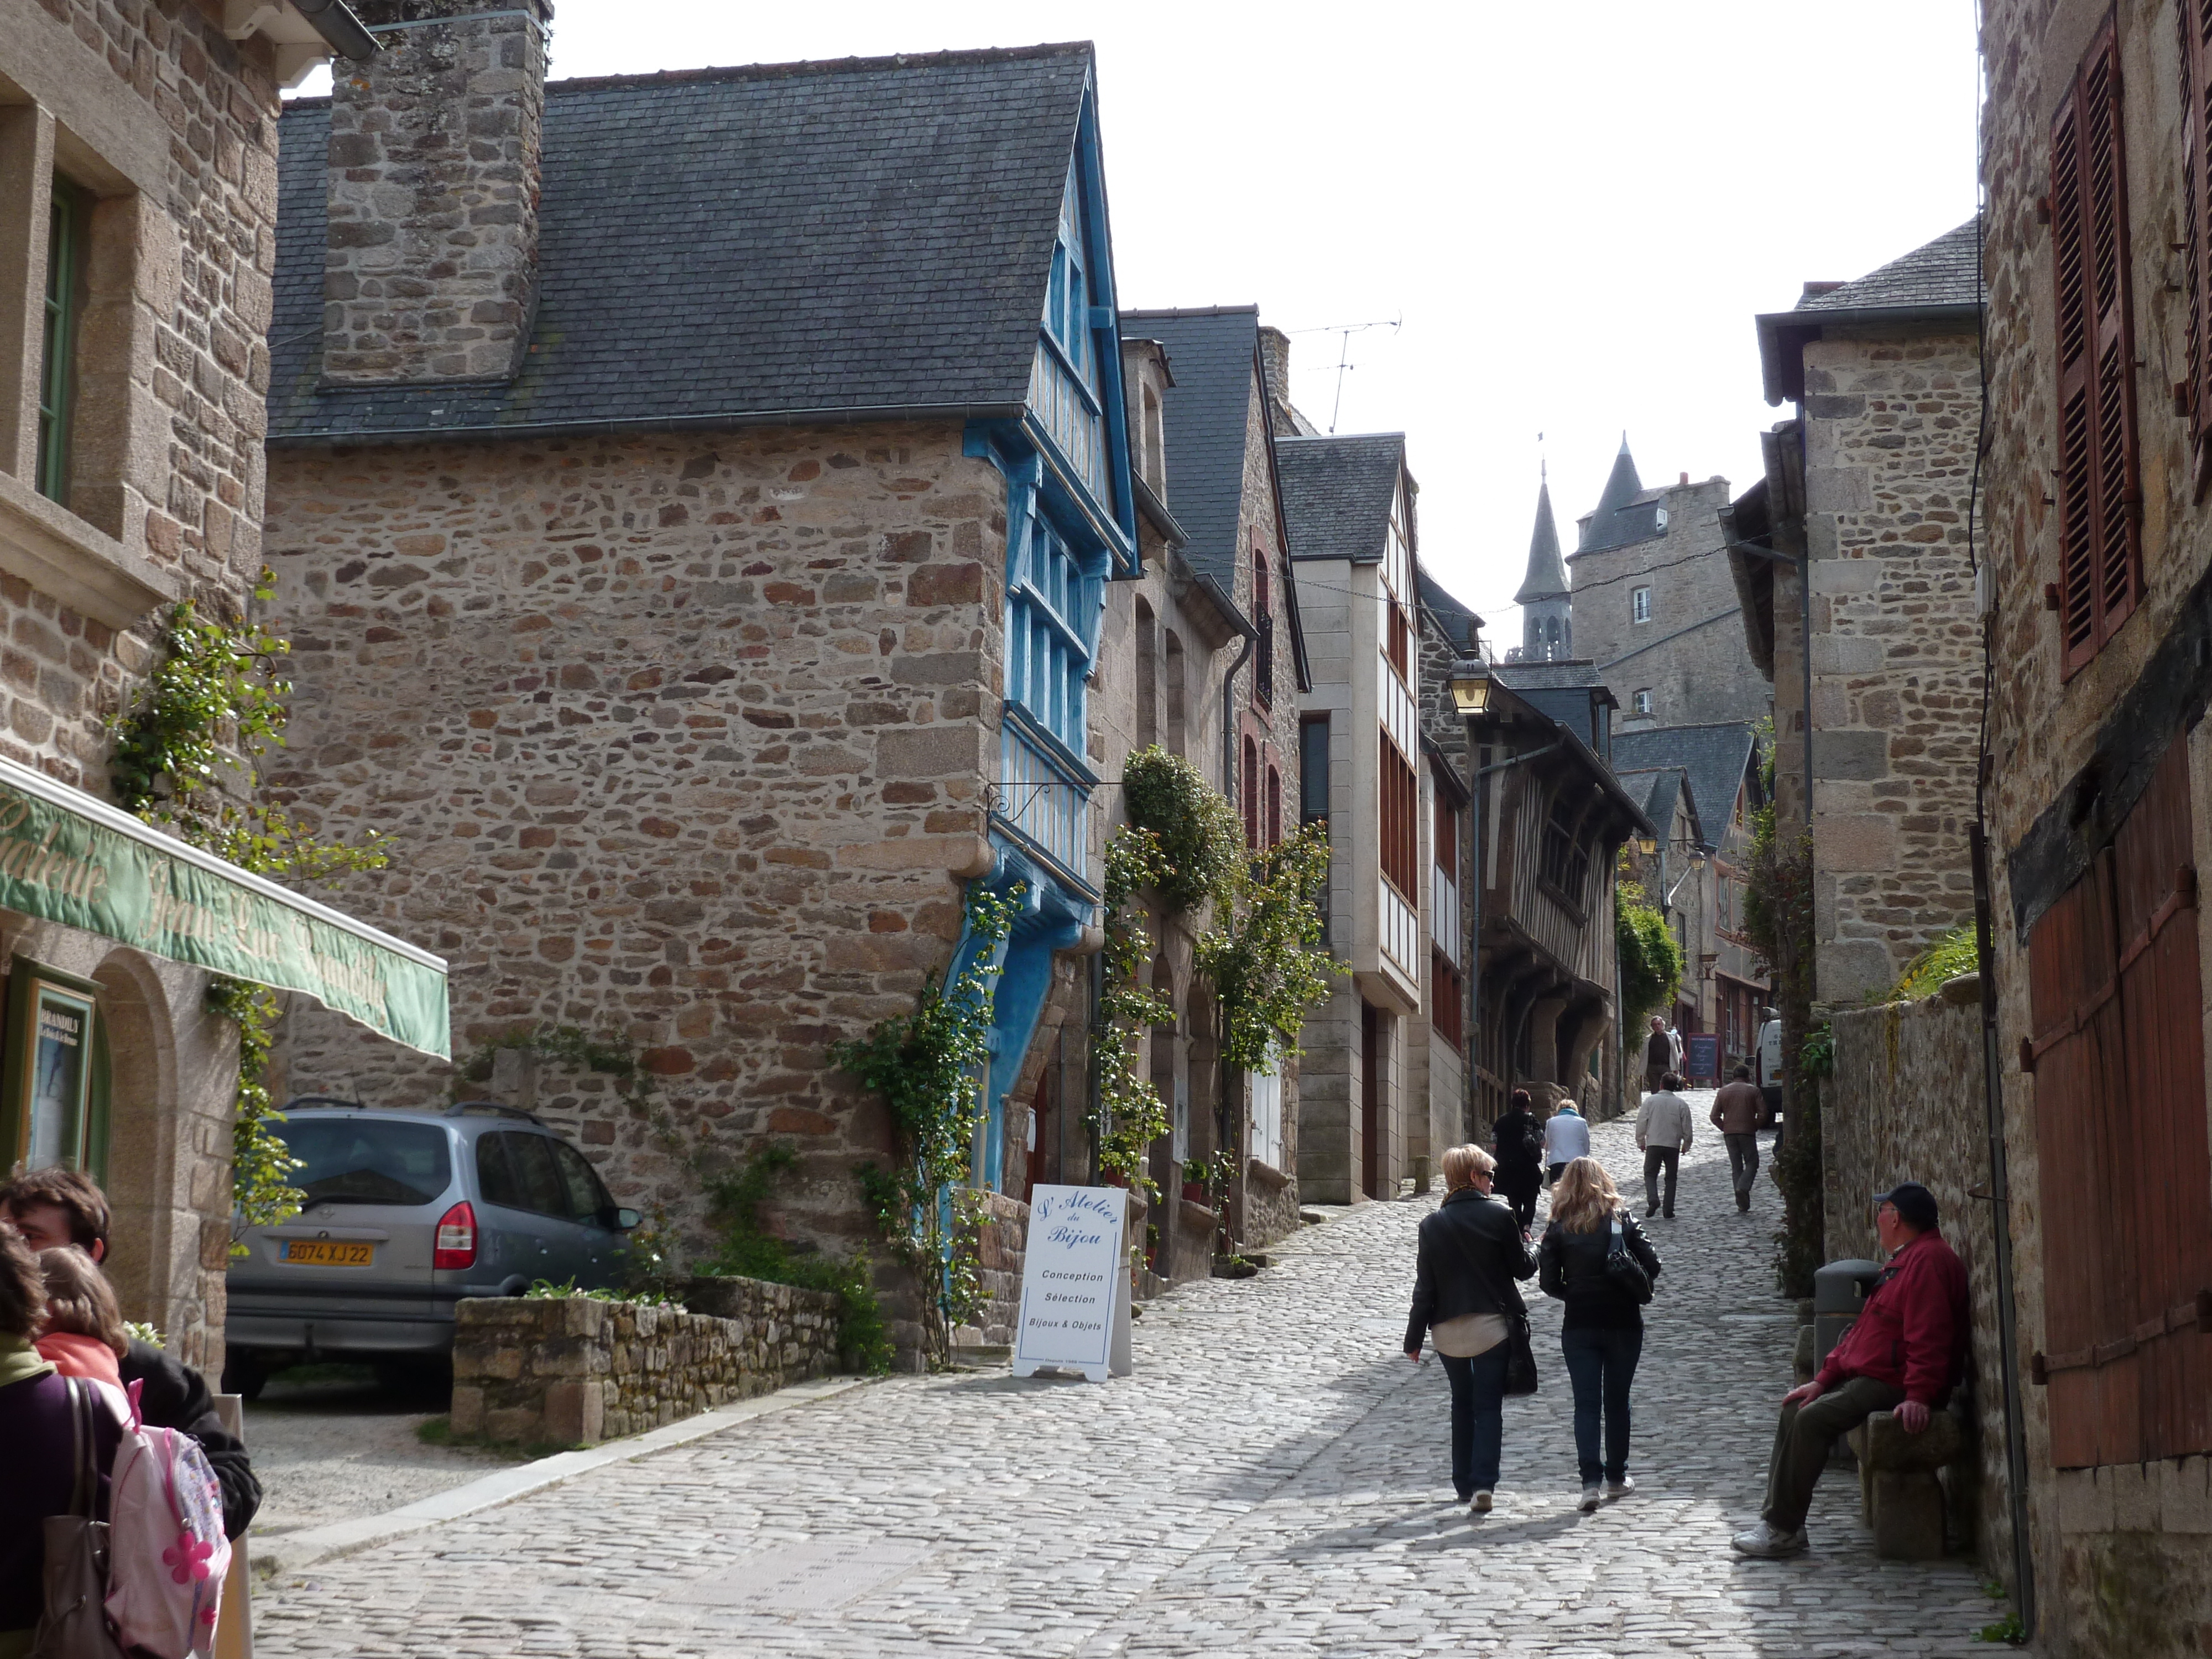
1622,1268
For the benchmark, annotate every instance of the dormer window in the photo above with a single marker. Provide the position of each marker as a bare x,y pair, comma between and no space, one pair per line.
1152,439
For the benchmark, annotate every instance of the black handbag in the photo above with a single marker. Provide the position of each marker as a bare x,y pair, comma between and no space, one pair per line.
75,1624
1624,1270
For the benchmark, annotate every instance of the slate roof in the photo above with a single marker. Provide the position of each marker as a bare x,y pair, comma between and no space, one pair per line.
1667,785
1943,272
1203,422
1625,514
1715,757
1548,576
1337,493
867,237
1459,624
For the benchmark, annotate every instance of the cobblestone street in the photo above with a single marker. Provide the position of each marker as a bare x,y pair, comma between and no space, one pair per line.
1273,1480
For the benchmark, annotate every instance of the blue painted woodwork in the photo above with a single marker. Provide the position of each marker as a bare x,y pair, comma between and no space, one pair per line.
1071,528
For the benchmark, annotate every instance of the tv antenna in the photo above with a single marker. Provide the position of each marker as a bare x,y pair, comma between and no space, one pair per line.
1344,364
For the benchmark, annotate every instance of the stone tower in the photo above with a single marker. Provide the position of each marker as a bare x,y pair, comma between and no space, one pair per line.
1548,632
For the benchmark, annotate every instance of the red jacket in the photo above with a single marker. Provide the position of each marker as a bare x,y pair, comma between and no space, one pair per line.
1911,1333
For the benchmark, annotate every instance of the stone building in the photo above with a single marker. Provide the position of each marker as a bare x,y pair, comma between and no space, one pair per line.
1699,872
1349,505
2095,549
1523,790
1201,424
1654,605
744,607
1871,484
137,208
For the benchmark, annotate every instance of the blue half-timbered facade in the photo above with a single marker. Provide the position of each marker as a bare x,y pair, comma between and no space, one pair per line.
1071,528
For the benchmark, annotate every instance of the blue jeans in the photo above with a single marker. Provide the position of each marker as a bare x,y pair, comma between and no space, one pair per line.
1602,1364
1478,1418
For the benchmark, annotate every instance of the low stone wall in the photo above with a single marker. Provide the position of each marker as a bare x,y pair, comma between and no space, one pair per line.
570,1370
1905,1104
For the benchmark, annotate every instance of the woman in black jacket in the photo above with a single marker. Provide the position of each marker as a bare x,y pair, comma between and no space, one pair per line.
1518,1141
1603,1335
1471,1252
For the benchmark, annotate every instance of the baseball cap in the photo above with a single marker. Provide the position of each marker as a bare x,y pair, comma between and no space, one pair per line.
1916,1204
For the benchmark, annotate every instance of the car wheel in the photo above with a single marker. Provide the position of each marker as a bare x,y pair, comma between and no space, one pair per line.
244,1375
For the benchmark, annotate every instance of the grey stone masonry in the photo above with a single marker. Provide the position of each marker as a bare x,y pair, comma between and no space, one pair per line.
577,1370
430,268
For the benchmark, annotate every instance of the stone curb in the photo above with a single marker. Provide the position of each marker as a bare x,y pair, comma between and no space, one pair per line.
288,1553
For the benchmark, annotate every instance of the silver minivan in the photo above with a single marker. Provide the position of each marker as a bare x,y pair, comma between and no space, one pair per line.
405,1214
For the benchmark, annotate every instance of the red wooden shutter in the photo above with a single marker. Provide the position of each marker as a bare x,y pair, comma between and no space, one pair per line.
2125,1175
2100,563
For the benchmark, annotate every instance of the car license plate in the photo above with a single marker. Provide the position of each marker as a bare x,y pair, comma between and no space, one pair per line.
327,1253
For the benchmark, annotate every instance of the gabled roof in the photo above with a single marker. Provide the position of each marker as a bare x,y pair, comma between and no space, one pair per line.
1625,514
1205,420
1936,287
1547,574
1716,757
1459,624
1338,493
864,238
1668,785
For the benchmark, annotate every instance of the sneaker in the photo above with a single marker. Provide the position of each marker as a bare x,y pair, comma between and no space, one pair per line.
1481,1505
1768,1543
1591,1500
1620,1488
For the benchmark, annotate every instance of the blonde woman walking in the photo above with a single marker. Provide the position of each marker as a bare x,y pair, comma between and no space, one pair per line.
1471,1252
1602,1333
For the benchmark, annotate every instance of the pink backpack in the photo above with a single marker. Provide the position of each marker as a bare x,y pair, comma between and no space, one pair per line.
167,1555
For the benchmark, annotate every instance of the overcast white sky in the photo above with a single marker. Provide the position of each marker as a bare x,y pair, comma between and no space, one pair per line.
1576,210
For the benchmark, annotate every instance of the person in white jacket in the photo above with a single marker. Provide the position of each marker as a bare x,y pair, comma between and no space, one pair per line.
1664,1130
1566,1137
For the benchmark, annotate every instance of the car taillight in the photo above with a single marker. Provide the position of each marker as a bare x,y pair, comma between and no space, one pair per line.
457,1238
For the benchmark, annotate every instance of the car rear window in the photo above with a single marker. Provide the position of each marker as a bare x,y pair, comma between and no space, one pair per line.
367,1160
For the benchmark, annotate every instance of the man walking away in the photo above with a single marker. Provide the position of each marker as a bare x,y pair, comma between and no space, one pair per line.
1904,1352
1658,1055
1735,1114
1663,1129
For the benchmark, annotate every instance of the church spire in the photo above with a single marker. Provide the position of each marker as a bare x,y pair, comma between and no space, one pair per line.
1547,574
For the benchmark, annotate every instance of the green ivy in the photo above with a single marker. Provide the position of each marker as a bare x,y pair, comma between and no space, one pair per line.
1130,1114
749,1250
1265,956
1956,952
1200,839
1650,958
186,759
928,1067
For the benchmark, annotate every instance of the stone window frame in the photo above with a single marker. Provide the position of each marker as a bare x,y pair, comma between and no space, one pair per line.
1639,701
1640,604
83,550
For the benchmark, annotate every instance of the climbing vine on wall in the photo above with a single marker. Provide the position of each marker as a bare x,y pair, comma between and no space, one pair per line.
186,759
928,1066
1130,1114
1266,958
1778,916
1650,959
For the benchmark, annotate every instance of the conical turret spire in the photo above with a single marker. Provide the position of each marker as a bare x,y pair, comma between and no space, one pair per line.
1547,572
1618,519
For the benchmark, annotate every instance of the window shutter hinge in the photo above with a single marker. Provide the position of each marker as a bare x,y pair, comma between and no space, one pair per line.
2027,1055
2050,599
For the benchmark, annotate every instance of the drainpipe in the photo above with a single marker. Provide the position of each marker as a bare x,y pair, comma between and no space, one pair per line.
1222,1116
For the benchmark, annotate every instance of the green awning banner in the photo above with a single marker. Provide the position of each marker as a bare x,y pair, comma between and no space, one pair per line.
67,858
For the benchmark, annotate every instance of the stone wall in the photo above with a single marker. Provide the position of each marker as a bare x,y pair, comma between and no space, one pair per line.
678,740
1890,426
169,128
1691,654
1905,1104
1002,1244
2111,1579
571,1370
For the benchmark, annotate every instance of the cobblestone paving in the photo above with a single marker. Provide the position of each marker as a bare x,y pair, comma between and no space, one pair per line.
1273,1480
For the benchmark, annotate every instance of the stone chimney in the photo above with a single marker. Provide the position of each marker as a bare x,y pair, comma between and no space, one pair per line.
430,264
1275,362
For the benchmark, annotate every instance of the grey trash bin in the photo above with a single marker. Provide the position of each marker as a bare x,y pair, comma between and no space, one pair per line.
1839,1291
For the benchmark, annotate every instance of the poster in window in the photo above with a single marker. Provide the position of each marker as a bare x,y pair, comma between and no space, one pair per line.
51,1068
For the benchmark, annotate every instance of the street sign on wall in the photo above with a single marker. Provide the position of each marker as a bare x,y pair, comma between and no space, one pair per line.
1075,1284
